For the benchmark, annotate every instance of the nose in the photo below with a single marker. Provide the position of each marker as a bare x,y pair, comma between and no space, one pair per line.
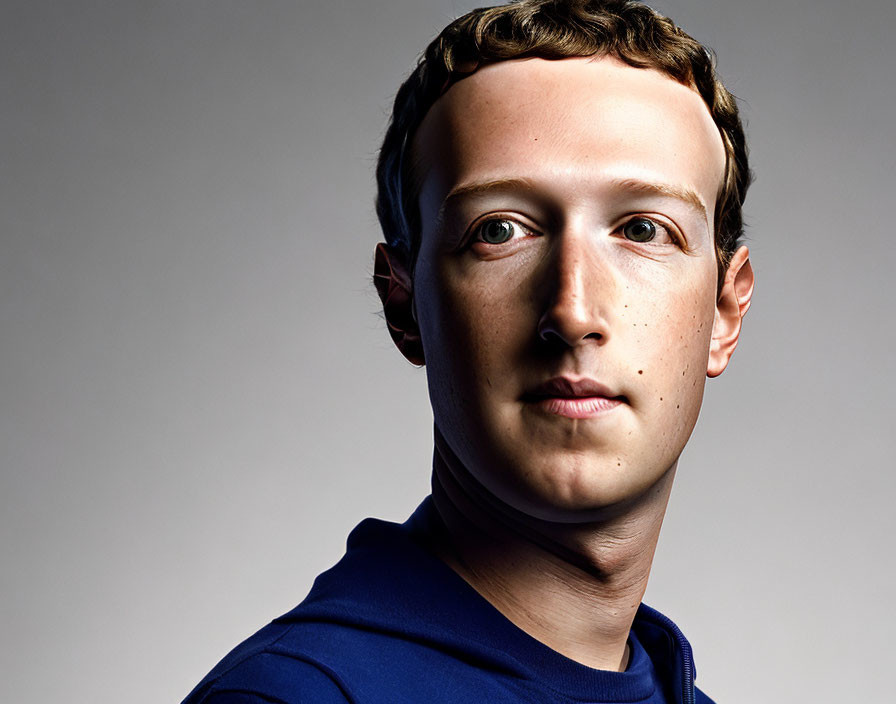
579,286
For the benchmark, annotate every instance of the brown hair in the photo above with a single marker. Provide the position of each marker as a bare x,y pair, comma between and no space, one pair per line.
556,29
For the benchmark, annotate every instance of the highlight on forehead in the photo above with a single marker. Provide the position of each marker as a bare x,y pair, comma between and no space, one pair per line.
448,122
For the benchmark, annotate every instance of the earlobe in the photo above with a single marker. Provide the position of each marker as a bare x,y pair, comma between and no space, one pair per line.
393,284
731,306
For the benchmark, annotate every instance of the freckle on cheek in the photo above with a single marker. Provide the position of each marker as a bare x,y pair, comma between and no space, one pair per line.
641,371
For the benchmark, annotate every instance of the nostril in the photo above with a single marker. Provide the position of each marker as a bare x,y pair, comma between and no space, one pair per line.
549,335
549,331
571,320
554,335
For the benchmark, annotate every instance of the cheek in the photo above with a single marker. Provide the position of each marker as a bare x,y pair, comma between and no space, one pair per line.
674,337
461,323
473,335
485,320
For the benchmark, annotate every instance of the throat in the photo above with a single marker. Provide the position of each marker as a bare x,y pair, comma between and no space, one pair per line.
574,587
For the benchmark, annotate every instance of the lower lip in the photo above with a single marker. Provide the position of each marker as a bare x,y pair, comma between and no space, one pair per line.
586,407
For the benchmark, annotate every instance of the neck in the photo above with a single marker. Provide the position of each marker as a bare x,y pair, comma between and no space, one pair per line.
573,586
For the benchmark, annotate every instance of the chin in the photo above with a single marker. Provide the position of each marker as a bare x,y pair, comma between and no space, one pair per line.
572,490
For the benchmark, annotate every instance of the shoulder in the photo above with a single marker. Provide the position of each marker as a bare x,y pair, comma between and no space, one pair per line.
259,671
701,698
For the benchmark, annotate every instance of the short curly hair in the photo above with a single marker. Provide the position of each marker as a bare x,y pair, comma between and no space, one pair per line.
556,29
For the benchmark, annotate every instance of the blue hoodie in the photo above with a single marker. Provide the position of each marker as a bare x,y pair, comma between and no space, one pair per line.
392,624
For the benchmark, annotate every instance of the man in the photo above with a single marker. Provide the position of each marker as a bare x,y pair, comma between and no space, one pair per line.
560,189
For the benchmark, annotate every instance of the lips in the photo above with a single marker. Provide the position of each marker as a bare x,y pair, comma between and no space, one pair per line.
574,398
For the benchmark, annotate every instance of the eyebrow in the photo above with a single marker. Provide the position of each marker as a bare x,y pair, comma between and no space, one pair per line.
483,188
666,190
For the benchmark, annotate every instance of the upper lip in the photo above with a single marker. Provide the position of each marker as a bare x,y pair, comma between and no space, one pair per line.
566,387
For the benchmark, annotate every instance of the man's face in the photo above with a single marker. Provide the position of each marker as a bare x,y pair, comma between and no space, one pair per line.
566,279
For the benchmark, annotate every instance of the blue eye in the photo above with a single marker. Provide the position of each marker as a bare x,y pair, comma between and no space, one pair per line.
496,231
639,230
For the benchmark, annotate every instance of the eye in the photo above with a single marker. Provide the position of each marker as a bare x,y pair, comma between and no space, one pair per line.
643,229
639,230
498,231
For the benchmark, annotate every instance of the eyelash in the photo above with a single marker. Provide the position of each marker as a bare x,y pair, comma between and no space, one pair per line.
476,230
671,232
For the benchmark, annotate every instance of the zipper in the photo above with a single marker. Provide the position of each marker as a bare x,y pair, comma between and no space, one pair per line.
687,655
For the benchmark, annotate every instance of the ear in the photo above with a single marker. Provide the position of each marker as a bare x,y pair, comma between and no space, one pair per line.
393,284
731,307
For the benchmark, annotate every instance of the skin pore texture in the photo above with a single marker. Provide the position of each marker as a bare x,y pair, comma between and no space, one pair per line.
564,304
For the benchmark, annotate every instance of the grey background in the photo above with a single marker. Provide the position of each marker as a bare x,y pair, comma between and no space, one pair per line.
199,399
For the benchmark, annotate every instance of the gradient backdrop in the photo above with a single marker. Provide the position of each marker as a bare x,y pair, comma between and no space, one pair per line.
198,399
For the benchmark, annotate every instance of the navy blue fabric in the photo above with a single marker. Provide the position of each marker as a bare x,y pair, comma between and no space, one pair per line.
392,624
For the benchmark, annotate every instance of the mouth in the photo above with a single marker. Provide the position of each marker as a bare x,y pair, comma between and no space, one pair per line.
574,398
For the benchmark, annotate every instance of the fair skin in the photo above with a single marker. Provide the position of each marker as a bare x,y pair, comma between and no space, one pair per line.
564,301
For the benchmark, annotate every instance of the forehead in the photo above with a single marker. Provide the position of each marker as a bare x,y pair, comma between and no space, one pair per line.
570,123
